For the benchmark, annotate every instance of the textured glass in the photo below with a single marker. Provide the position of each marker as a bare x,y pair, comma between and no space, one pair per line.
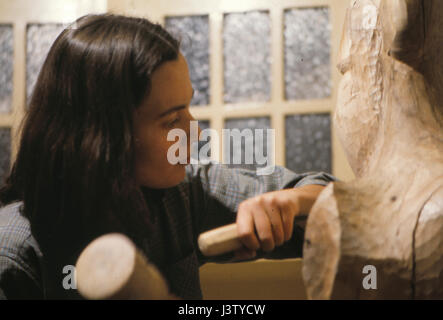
40,38
204,124
248,123
6,67
308,142
307,51
5,153
193,33
247,58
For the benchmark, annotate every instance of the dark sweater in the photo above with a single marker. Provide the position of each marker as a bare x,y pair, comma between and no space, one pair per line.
207,198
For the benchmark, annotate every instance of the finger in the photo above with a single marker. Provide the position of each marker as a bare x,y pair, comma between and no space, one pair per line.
246,229
264,229
244,254
275,218
288,214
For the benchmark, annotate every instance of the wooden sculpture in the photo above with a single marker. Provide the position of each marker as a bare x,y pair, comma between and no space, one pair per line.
389,117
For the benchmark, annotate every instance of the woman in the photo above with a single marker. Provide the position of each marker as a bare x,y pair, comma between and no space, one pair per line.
93,159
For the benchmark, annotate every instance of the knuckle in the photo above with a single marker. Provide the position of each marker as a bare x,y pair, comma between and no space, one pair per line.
268,200
244,233
285,203
243,211
242,205
273,201
260,200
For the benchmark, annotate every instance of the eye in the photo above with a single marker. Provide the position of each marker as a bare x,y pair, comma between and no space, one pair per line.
173,122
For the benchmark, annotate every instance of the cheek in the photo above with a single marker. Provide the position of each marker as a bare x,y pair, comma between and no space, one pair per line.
152,150
152,166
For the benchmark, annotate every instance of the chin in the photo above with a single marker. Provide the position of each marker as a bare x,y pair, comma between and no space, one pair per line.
179,175
162,179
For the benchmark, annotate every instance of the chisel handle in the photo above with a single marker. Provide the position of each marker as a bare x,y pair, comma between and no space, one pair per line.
220,240
224,239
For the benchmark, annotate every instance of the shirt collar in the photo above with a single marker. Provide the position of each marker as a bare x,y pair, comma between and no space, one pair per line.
153,193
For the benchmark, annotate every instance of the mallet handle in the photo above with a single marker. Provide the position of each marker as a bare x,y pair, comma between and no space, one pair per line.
111,267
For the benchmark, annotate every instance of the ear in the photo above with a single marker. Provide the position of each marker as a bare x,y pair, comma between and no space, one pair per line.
404,30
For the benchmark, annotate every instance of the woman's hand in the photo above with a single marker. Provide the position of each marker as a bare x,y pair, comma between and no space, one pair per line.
267,220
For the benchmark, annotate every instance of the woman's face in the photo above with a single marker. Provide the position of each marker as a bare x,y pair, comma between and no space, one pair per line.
166,108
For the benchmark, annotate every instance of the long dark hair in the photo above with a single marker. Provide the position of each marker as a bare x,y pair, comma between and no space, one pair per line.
74,169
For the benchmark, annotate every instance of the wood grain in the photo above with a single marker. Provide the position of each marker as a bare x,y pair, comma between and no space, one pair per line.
389,117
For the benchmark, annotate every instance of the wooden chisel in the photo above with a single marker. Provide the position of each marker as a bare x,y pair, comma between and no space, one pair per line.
224,239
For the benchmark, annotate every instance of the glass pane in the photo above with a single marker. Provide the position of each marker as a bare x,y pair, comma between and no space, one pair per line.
193,33
307,53
6,67
5,153
248,149
204,124
308,142
40,38
247,58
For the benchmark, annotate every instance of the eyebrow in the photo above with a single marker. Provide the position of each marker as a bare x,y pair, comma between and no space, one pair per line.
176,108
173,109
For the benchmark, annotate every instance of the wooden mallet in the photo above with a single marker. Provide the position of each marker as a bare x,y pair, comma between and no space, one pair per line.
111,267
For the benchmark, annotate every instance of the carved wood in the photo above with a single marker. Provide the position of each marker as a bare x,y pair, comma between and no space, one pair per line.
389,117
